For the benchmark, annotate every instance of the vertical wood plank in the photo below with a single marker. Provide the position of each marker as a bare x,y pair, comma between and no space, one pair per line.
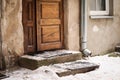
29,26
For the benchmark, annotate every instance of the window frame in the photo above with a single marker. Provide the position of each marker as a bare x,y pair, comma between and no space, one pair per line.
101,13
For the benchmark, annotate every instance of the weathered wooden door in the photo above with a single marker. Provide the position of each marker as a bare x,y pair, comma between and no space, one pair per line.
43,25
49,24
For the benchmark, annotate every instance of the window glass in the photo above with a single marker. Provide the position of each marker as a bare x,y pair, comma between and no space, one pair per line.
93,5
98,5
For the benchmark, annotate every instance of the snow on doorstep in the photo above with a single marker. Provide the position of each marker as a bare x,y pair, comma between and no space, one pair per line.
49,54
109,70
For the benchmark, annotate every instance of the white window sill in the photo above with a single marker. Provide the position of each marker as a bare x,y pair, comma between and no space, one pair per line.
101,17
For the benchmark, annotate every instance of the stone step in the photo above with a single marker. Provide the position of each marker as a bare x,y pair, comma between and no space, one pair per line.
72,68
47,58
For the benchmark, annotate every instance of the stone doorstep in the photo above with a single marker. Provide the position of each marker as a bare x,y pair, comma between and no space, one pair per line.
72,68
33,62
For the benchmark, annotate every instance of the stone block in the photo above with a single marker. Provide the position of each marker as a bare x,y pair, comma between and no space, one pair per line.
72,68
33,62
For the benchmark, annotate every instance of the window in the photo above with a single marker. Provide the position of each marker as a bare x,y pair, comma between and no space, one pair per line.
99,7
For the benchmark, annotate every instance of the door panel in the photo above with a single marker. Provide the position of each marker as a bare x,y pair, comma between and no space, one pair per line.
49,24
50,34
29,25
50,10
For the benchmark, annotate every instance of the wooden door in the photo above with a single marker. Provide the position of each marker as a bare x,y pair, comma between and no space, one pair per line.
49,24
43,25
28,18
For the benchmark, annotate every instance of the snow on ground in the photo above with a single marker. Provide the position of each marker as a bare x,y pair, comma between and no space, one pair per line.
109,70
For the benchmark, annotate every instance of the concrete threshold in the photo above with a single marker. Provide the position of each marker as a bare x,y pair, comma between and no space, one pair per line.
47,58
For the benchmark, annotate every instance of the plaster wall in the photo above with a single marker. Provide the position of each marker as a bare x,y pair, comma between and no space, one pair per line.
72,27
104,34
12,30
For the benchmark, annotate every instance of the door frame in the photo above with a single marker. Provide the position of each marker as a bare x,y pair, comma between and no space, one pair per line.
67,22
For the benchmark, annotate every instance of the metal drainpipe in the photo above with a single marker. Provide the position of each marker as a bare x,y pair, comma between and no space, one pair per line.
85,51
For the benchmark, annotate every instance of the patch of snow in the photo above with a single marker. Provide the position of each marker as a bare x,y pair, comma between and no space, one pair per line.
72,65
109,70
49,54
